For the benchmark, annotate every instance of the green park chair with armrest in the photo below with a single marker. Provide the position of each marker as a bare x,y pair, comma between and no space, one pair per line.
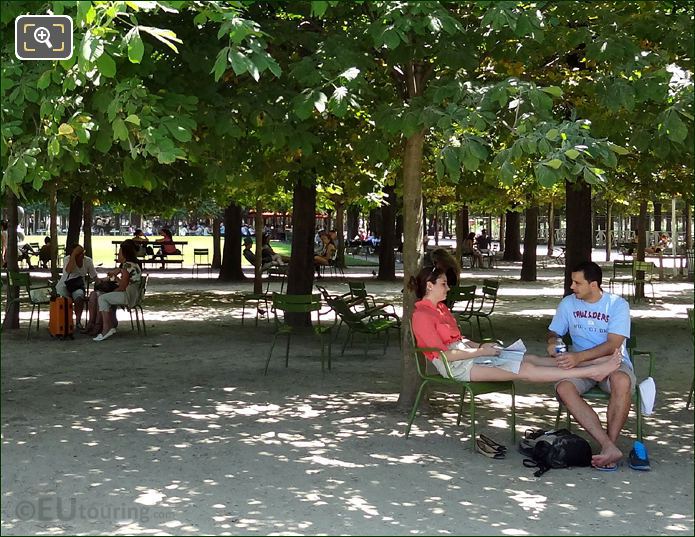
484,309
460,300
623,275
299,304
358,306
643,273
596,394
256,298
358,295
201,259
471,388
137,307
36,295
373,322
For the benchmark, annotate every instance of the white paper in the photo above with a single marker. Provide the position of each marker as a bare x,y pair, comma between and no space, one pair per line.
514,352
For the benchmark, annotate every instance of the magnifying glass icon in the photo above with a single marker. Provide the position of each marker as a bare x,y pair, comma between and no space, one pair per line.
43,36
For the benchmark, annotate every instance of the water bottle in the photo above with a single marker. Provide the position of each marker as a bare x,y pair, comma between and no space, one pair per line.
560,347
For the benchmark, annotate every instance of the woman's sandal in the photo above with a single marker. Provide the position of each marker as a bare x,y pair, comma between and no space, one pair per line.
488,451
490,442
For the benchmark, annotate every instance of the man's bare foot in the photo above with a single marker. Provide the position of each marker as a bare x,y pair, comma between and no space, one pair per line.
609,455
606,368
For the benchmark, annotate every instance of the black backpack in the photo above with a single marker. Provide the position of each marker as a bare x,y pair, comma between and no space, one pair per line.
554,449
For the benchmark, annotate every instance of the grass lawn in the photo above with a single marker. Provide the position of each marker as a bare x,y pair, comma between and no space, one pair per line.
103,249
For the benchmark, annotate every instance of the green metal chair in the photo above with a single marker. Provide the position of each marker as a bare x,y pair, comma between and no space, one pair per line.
460,300
358,305
643,273
485,308
691,318
373,322
257,298
298,304
358,295
623,275
137,307
36,295
201,258
596,394
472,388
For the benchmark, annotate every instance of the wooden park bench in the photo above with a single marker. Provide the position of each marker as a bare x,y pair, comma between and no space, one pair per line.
163,262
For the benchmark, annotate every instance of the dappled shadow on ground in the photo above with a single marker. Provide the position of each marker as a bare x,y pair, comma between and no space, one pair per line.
179,432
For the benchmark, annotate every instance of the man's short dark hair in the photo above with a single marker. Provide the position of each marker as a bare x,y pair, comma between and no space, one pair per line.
592,272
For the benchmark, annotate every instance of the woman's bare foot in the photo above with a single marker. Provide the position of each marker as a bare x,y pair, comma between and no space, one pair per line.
609,455
607,367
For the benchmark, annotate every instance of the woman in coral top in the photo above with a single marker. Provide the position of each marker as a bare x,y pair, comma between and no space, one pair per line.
434,326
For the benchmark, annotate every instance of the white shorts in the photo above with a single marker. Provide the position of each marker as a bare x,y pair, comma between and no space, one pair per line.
461,369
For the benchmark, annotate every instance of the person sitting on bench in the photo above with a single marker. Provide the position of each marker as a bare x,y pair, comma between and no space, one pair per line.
167,245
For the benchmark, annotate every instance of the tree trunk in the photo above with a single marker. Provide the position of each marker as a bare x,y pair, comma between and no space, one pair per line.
74,220
528,267
339,225
11,320
329,220
551,228
87,227
512,239
231,259
387,259
53,231
435,225
657,216
412,256
642,225
300,279
353,216
609,229
399,226
578,242
216,240
258,225
503,231
688,226
375,222
462,230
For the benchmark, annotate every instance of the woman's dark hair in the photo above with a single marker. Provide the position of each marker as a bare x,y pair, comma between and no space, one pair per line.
129,250
166,232
471,235
443,260
418,284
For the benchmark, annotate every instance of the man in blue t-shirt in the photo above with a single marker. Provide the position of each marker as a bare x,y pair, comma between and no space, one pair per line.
599,323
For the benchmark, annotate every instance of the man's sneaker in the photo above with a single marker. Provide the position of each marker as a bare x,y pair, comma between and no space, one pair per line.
639,460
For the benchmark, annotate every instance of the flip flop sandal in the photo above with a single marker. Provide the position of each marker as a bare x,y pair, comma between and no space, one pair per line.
608,468
490,442
484,449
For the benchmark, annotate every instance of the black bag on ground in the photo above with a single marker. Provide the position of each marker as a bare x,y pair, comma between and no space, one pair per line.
554,449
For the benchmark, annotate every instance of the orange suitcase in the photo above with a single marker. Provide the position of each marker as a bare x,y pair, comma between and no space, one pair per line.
60,322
